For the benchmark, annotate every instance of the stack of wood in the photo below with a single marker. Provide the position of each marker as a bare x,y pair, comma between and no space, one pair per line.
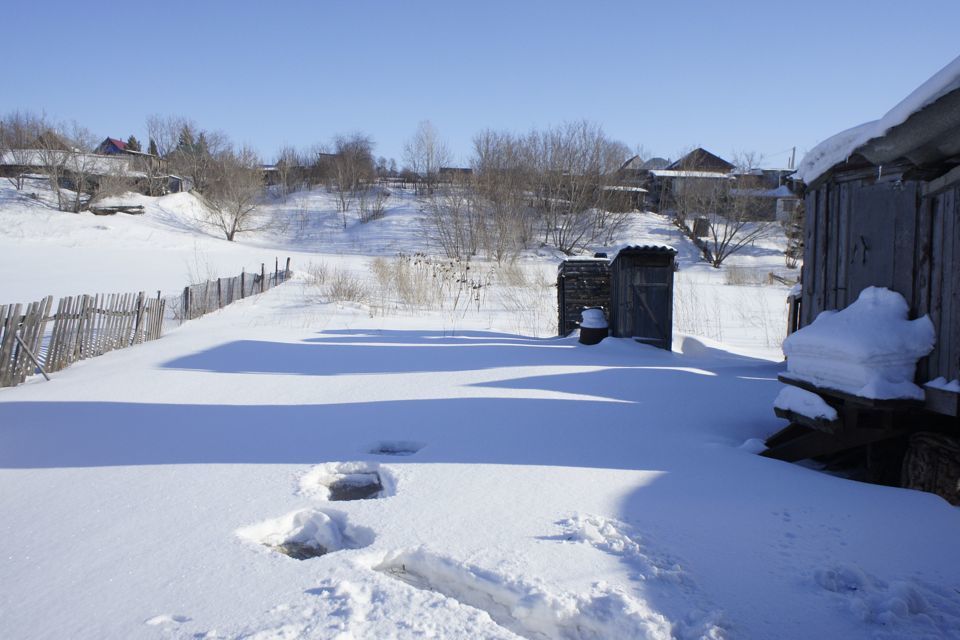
133,209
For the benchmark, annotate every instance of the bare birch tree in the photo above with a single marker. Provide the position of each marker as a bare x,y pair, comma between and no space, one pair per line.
425,153
19,131
234,192
352,167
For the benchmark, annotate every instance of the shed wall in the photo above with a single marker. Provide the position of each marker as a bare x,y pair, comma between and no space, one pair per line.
899,235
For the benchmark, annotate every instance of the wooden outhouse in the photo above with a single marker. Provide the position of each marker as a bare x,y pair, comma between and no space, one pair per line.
641,295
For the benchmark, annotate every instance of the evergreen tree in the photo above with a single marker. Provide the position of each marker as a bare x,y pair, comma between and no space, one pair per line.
186,142
133,144
153,148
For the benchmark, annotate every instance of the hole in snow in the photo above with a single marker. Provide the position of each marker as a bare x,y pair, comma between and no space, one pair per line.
339,481
397,448
308,533
301,550
356,486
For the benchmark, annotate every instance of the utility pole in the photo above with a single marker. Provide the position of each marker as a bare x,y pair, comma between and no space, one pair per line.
793,157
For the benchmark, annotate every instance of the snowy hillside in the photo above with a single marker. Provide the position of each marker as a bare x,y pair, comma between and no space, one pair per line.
466,474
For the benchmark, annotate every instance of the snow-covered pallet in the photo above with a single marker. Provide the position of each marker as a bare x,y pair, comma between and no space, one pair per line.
857,421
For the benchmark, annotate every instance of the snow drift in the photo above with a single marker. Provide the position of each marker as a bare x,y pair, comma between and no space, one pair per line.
869,349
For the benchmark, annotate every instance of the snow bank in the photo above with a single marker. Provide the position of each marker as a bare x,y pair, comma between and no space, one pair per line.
869,349
942,384
838,148
804,403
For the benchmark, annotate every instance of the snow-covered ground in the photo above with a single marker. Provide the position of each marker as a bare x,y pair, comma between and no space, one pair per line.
526,486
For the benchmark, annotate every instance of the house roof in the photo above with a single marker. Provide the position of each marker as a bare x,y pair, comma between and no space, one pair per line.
923,128
701,160
636,163
616,187
646,249
119,144
669,173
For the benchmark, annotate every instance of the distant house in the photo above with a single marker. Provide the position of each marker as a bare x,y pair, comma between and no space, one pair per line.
662,179
111,146
454,174
881,209
701,160
687,176
779,203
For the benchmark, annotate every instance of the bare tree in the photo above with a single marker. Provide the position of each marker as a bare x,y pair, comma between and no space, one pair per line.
733,229
165,132
19,131
234,192
425,153
735,214
453,219
53,156
573,165
84,169
372,202
352,167
188,150
501,175
290,170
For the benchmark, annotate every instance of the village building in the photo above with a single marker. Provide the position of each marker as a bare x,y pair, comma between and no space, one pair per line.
883,210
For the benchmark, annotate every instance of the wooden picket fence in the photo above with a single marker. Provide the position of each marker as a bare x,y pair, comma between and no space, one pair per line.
87,326
83,327
206,297
21,332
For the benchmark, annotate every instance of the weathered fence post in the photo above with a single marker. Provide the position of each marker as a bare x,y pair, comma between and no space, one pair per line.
286,271
219,294
242,285
138,325
263,275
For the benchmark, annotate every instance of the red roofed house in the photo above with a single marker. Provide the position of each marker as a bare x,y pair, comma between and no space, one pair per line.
112,146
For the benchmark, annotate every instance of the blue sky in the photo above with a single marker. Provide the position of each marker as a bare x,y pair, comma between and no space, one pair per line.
739,76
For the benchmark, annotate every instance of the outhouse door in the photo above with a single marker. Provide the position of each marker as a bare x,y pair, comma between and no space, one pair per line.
650,308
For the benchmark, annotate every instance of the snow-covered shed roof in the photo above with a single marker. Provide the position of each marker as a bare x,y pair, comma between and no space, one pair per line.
645,249
672,173
617,187
636,163
902,132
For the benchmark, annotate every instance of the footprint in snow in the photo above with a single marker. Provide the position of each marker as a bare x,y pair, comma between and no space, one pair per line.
308,533
344,481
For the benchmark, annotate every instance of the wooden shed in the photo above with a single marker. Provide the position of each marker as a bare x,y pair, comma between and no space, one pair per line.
581,283
641,295
883,209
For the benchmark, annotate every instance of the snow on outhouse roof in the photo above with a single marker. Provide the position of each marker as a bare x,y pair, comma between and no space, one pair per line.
841,146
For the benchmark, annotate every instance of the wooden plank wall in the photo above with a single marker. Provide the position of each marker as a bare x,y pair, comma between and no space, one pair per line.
924,267
943,300
581,284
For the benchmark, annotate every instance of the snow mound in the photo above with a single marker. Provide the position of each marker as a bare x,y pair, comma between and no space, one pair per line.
942,384
838,148
804,403
529,608
870,349
347,481
901,608
700,619
307,533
